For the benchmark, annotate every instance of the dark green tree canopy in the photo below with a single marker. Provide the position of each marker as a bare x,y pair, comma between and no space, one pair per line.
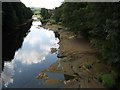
97,22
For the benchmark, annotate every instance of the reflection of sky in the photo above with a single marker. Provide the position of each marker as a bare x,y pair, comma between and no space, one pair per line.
35,48
8,73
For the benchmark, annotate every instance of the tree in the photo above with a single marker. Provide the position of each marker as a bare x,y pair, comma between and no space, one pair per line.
97,22
45,14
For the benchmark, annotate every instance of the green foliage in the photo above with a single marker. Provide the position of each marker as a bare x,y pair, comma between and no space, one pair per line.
105,32
88,66
97,22
37,12
52,21
45,14
57,16
37,15
106,80
15,13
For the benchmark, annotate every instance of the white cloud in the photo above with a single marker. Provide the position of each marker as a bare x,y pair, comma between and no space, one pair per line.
50,4
30,57
33,40
50,34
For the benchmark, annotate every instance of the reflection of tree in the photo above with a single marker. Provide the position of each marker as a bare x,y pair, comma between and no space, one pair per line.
57,35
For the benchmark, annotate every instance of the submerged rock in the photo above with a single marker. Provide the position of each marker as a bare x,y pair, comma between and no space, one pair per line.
50,81
53,50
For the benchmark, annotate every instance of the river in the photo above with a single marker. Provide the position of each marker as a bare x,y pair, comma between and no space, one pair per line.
32,58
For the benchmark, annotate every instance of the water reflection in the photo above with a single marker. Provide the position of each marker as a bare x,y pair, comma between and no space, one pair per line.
7,74
31,58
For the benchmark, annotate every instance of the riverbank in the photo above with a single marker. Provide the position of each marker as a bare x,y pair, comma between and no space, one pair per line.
77,61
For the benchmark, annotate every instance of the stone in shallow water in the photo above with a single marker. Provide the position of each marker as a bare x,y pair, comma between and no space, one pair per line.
53,50
42,76
71,82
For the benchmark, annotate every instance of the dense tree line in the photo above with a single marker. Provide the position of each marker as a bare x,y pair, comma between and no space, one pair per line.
97,22
45,13
16,21
15,13
58,13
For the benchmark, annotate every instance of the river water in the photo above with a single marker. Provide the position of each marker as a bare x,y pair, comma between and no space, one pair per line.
33,57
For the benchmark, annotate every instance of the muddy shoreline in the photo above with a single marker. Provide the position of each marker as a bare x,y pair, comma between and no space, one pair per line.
77,61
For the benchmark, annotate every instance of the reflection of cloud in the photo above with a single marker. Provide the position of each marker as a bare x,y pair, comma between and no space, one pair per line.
0,83
39,42
7,74
45,47
20,71
30,57
54,43
36,23
36,46
33,40
49,33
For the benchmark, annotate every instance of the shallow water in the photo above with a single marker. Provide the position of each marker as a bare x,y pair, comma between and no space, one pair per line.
33,57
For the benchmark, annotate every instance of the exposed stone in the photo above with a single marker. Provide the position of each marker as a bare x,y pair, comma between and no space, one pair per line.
42,76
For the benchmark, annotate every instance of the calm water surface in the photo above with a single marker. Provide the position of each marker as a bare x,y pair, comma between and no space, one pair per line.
33,57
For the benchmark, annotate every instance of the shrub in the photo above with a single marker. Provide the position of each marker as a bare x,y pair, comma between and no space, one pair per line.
52,21
106,80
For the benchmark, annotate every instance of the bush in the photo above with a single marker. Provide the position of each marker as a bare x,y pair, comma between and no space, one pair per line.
59,23
106,80
52,21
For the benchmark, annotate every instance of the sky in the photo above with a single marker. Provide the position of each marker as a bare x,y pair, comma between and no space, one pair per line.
49,4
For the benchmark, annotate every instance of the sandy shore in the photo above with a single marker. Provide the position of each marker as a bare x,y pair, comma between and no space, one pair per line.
77,60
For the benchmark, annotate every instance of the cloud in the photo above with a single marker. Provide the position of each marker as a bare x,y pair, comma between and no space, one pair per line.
49,4
33,41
